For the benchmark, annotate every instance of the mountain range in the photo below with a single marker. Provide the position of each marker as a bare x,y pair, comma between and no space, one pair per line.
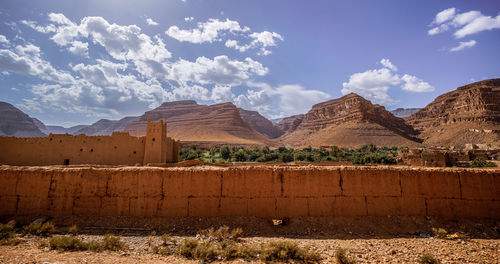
469,114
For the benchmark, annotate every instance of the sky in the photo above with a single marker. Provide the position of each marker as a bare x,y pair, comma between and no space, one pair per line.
74,62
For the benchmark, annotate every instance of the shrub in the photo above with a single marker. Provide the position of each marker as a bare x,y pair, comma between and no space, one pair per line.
439,232
237,251
67,243
427,258
70,243
221,234
113,243
6,232
39,229
73,229
479,162
341,256
288,250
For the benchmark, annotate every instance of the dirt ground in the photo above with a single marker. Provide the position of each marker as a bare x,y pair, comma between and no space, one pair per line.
367,239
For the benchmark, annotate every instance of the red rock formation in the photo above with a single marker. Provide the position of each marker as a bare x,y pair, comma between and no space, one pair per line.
469,114
350,121
260,123
189,121
289,124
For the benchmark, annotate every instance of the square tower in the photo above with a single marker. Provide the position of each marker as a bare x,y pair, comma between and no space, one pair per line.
155,149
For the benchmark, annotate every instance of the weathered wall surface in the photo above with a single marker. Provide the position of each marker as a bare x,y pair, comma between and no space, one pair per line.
269,192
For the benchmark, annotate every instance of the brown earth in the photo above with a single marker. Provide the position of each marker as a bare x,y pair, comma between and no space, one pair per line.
289,124
367,240
189,121
469,114
350,121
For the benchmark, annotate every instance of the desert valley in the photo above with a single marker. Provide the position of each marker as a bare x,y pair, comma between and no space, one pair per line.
189,131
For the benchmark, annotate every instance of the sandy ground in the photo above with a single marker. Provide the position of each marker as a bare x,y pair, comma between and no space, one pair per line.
394,250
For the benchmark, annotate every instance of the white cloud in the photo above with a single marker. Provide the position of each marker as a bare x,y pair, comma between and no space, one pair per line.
388,64
375,84
188,19
221,70
466,23
206,32
79,48
3,39
285,96
151,22
444,15
27,60
260,40
414,84
463,45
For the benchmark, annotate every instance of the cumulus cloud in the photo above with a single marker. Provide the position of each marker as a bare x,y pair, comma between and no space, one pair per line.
260,40
188,19
27,60
463,45
138,73
151,22
375,84
388,64
464,24
206,32
3,39
79,48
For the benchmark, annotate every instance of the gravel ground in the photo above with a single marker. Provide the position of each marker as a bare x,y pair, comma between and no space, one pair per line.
391,250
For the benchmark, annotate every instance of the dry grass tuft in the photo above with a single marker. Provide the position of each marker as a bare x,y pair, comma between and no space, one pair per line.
39,229
427,258
342,258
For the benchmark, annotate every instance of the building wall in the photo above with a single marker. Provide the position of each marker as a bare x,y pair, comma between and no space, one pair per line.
118,149
269,192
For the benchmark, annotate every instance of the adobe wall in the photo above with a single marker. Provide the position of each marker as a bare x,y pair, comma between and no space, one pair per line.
118,149
266,191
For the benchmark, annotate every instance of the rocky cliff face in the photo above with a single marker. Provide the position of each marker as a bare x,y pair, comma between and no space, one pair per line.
106,127
469,114
350,121
15,123
404,112
289,124
260,123
189,121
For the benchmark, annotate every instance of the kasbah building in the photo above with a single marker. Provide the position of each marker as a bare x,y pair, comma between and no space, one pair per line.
118,149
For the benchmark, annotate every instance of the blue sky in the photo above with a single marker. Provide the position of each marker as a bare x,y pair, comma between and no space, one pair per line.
75,62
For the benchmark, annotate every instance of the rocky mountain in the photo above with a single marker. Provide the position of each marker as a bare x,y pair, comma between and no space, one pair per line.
191,122
15,123
106,127
260,123
57,129
350,121
469,114
404,112
289,124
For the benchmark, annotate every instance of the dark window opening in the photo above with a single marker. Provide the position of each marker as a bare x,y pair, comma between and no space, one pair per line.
60,141
66,161
50,139
135,152
153,139
116,147
81,150
91,150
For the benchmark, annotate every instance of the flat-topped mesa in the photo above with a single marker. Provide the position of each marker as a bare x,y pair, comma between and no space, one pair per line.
468,115
289,124
190,121
477,102
352,107
260,123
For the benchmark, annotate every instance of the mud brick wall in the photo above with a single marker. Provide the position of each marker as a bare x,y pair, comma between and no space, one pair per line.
270,192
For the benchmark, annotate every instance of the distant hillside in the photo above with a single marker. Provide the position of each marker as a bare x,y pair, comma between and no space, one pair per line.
350,121
15,123
106,127
189,121
57,129
260,123
469,114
